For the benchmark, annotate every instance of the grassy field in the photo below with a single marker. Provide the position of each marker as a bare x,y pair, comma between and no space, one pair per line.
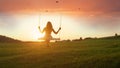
101,53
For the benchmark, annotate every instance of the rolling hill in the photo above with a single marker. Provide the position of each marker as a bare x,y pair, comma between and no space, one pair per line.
7,39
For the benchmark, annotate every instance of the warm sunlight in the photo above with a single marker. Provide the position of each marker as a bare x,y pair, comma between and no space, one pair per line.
26,27
59,33
58,20
44,18
39,20
36,34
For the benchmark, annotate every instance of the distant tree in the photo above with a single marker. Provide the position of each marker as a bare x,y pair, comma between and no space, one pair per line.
116,34
68,40
88,38
80,38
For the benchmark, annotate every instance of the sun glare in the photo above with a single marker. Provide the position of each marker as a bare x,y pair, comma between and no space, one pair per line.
28,26
36,34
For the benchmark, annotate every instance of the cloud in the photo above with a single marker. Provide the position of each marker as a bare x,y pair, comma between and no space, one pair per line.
100,22
102,6
96,8
7,21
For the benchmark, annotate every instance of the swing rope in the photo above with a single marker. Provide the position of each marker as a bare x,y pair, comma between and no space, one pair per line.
60,24
60,21
39,20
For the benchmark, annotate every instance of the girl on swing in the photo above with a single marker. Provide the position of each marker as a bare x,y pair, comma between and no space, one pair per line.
48,30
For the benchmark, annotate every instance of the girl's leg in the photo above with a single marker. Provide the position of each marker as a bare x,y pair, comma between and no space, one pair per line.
47,42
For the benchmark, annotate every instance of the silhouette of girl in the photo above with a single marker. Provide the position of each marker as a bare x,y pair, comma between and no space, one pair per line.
48,30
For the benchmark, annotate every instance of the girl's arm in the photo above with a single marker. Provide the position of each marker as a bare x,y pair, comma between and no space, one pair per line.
40,29
57,31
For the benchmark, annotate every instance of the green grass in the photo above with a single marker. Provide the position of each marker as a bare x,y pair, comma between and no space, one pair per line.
101,53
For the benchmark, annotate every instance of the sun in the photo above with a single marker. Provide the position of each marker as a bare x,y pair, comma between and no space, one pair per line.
36,34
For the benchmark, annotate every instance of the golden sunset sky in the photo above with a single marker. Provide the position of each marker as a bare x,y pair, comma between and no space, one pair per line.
20,19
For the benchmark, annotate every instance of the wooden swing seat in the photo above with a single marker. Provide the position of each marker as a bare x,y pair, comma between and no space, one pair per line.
48,38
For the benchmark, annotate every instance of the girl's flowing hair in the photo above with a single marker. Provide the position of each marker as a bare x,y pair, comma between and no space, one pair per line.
49,25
